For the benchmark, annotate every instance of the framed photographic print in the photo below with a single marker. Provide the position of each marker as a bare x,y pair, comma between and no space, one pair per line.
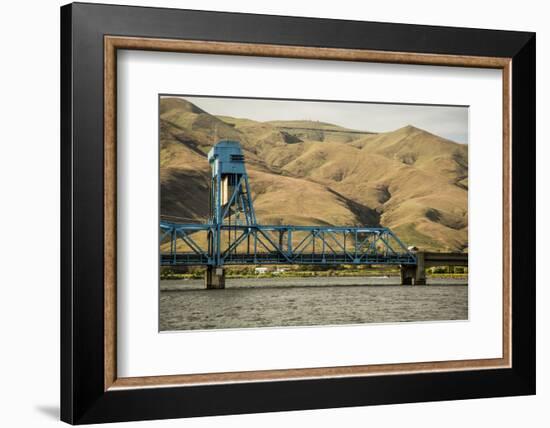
265,213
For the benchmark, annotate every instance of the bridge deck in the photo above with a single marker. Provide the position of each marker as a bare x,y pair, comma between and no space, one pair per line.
274,258
445,259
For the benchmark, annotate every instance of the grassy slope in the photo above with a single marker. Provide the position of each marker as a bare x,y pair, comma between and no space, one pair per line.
409,180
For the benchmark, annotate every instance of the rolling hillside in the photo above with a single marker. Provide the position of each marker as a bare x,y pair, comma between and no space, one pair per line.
303,172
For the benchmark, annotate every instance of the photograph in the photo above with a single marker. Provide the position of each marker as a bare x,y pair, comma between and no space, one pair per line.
288,213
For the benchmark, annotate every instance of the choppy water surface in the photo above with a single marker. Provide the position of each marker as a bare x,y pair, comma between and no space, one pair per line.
278,302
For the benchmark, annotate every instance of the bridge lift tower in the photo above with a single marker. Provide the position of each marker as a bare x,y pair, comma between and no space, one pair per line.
230,202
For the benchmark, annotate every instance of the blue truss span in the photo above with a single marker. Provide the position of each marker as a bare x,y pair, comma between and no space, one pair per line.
232,235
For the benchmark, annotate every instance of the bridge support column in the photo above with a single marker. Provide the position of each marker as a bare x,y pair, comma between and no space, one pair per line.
420,274
407,274
414,274
214,278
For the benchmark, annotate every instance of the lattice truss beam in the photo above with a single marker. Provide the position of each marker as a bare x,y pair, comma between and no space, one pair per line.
260,244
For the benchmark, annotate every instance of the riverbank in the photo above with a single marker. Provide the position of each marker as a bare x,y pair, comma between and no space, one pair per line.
310,274
262,282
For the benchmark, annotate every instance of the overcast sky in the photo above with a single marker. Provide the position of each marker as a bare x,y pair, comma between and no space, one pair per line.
446,121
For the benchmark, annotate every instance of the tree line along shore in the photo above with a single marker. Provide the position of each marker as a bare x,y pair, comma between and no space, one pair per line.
443,272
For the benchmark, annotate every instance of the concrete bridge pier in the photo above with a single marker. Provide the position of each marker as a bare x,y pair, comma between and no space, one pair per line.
214,278
414,274
407,274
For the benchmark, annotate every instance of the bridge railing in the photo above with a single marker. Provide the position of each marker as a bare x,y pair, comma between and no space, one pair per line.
209,244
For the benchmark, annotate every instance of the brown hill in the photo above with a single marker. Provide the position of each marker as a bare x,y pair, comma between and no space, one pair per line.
304,172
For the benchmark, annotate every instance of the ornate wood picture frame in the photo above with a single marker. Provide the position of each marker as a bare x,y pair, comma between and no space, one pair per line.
91,390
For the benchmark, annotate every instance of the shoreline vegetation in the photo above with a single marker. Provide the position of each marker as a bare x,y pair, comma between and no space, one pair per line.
313,271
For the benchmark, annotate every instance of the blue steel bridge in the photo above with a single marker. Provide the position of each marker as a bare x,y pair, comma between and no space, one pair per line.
232,235
261,244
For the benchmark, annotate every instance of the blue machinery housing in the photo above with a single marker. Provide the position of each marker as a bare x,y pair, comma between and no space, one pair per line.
232,235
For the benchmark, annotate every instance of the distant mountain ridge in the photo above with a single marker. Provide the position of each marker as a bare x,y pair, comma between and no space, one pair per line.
303,172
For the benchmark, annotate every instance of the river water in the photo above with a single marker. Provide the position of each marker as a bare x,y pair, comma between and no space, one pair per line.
279,302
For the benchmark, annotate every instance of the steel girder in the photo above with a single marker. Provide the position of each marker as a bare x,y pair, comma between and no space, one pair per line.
274,244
